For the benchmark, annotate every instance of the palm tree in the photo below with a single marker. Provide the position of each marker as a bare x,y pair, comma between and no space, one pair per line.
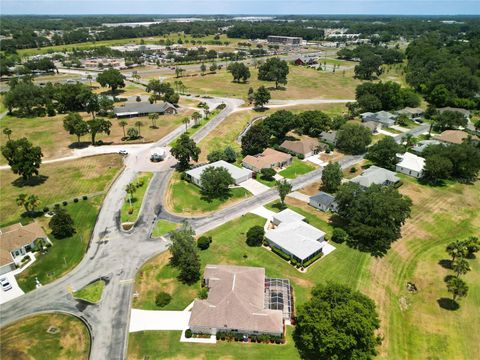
457,287
130,189
7,131
186,121
196,116
139,124
456,249
33,202
206,109
22,200
123,123
154,117
460,266
409,140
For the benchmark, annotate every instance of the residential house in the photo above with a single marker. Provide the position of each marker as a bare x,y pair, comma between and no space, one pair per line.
134,109
241,300
329,137
307,146
269,158
372,126
384,118
16,241
464,112
455,137
423,144
376,175
239,175
323,201
410,164
411,112
294,237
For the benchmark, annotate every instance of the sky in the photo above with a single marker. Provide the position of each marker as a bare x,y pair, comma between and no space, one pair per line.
254,7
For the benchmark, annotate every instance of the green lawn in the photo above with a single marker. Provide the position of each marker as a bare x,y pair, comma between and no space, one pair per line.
185,198
269,183
131,207
91,293
166,344
29,339
297,168
163,227
65,254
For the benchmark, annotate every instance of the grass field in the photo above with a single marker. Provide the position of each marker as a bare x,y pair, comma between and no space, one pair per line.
186,198
297,168
303,83
61,181
91,293
163,227
137,198
28,339
49,134
65,254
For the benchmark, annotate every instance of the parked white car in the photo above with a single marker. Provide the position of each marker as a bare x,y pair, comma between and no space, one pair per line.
5,284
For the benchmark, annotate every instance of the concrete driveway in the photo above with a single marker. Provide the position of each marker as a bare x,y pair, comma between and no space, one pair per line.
14,292
254,186
158,320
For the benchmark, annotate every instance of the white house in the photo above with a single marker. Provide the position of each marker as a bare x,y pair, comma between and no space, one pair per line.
323,201
410,164
239,175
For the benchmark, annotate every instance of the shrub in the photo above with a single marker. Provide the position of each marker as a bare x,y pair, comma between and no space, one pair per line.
65,203
162,299
203,293
312,260
281,253
221,106
203,242
46,209
301,156
268,173
130,210
188,333
353,169
255,236
339,235
84,197
75,200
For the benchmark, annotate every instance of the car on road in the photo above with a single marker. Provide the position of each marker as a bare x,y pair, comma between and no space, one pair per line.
123,152
5,284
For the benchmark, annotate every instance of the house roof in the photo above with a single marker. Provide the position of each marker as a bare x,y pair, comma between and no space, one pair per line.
303,146
465,112
411,162
454,136
323,198
298,238
375,175
383,117
234,171
16,236
132,108
328,136
267,158
372,125
422,145
288,216
236,300
411,110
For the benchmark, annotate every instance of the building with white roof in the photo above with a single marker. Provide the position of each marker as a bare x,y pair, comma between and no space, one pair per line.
296,238
238,174
376,175
410,164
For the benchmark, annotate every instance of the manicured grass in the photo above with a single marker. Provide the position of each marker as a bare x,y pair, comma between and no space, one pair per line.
269,183
28,338
186,198
131,207
297,168
91,293
58,182
49,134
163,227
166,344
65,254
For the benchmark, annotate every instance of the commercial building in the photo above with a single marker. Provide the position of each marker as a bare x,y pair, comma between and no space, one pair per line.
239,175
285,40
134,109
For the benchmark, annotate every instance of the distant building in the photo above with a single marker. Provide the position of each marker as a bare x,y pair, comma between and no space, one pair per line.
455,137
134,109
376,175
269,158
410,164
239,175
95,63
243,300
384,118
306,146
285,40
323,201
411,112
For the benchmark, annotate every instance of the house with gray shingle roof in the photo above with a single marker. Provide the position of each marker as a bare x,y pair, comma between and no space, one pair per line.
376,175
323,201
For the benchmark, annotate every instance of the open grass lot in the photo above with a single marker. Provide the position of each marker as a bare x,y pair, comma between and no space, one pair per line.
163,227
297,168
61,181
65,254
49,134
303,83
91,293
166,344
130,212
186,198
28,339
227,132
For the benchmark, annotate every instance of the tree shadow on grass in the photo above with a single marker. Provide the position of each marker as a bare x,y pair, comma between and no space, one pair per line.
209,198
448,278
448,304
79,145
445,263
33,181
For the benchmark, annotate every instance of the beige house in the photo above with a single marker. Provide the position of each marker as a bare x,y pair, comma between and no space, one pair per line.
307,146
269,158
16,241
239,301
454,137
